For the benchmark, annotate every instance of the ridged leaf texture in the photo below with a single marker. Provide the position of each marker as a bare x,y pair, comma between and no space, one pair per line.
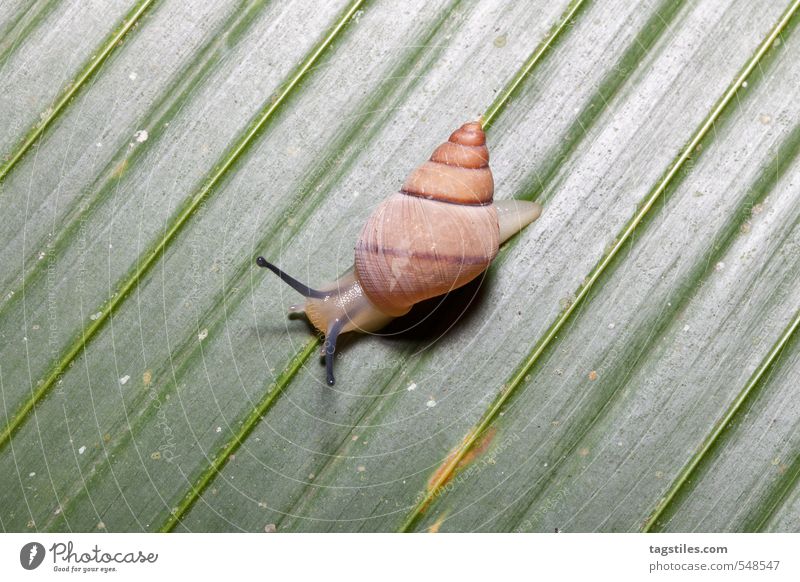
629,362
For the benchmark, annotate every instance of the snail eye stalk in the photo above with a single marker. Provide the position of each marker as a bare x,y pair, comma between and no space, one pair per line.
330,349
301,288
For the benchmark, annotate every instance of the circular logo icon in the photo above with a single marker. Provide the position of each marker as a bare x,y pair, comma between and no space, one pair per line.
31,555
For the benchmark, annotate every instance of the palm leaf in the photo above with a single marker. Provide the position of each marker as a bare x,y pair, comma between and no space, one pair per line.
628,363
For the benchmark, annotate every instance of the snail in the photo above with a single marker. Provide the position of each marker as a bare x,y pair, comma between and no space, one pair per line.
439,232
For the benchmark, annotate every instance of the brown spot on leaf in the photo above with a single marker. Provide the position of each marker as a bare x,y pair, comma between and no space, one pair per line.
476,450
120,168
437,524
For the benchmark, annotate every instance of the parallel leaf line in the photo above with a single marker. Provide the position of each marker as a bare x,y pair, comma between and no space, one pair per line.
657,326
247,427
789,484
188,80
26,20
88,71
446,472
185,83
720,246
320,472
723,423
758,190
534,59
153,255
763,185
542,181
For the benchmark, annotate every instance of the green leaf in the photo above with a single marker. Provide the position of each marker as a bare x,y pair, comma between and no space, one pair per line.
629,361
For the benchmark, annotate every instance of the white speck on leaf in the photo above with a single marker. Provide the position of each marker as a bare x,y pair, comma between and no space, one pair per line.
202,335
141,135
412,387
133,76
219,429
32,474
124,379
95,316
430,403
719,266
82,450
686,328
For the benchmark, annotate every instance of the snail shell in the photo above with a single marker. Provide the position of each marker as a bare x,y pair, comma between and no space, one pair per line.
438,233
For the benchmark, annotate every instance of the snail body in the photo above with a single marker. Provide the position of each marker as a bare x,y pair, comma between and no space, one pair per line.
438,233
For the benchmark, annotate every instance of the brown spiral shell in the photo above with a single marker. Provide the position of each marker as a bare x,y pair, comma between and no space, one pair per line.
435,235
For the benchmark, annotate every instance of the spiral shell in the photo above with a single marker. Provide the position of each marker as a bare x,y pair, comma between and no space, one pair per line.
438,233
435,235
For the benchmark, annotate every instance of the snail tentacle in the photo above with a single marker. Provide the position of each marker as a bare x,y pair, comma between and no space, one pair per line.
301,288
330,349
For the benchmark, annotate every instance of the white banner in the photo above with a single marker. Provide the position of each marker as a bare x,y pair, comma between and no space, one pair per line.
374,557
